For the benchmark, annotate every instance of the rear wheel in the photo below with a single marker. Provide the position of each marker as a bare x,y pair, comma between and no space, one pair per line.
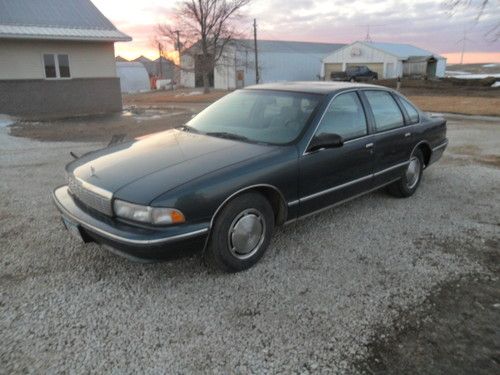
353,79
241,233
410,178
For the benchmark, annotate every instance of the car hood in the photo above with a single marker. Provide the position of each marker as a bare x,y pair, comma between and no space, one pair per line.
141,170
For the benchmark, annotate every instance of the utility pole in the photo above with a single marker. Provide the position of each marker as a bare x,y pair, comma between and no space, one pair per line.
463,48
463,40
159,60
257,77
178,48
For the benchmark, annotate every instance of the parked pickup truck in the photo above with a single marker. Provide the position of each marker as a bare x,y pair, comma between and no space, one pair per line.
354,74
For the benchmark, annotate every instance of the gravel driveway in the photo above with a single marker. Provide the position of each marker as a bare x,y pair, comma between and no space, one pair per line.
327,286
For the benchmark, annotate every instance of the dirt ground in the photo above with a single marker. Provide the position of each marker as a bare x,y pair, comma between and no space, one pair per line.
456,330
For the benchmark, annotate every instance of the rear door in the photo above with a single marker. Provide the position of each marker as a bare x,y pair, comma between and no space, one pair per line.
392,138
328,176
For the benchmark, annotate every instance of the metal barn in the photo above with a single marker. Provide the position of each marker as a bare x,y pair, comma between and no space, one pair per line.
278,61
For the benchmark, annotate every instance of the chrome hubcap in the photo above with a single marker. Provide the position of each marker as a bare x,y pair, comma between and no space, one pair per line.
246,233
413,173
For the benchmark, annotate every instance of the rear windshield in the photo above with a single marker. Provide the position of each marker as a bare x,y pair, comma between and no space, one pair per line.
267,116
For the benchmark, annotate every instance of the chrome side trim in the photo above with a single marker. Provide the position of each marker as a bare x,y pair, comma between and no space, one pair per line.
376,174
293,203
444,144
123,239
340,202
338,187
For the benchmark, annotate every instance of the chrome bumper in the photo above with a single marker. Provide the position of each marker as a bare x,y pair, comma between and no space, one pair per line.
115,231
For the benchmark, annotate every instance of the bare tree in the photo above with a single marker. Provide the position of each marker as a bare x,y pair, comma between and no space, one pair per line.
481,7
206,27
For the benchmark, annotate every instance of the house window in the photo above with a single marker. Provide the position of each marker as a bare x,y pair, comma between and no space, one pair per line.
56,65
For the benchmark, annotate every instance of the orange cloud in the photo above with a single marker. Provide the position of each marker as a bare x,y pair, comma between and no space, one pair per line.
473,57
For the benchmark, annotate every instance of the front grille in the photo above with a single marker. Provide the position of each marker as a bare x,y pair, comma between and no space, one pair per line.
82,191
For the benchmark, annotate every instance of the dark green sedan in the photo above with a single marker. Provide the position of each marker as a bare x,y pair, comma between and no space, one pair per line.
259,157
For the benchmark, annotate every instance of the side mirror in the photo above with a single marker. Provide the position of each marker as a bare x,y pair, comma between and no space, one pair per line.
326,140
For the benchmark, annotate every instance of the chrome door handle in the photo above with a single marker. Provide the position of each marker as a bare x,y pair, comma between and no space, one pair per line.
369,145
407,135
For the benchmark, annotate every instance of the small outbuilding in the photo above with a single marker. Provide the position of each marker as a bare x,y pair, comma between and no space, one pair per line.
133,77
389,60
57,59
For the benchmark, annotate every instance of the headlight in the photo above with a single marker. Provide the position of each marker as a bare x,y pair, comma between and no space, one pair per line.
146,214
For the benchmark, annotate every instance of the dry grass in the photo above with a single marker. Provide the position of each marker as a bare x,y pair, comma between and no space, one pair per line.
468,105
159,98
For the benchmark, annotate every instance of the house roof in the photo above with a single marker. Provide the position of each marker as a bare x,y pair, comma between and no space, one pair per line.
56,20
284,46
142,59
402,51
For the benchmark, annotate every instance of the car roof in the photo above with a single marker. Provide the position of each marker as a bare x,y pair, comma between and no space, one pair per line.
312,87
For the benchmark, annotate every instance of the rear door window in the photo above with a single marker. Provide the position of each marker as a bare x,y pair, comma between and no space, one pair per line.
410,109
385,110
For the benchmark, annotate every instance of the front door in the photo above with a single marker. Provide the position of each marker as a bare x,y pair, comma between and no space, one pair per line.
328,176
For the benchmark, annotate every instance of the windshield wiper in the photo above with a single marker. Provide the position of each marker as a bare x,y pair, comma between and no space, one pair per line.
228,136
188,129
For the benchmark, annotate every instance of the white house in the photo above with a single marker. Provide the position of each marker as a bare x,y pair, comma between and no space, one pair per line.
389,60
57,59
278,61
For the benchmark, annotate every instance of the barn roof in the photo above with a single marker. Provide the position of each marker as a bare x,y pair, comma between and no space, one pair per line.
284,46
56,20
403,51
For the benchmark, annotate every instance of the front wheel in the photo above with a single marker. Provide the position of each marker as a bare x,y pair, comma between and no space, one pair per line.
410,178
241,233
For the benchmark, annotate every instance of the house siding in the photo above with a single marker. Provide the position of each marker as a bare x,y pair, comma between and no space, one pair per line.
22,59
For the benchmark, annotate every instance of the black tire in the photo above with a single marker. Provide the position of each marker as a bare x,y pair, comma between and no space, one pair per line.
352,79
221,253
405,187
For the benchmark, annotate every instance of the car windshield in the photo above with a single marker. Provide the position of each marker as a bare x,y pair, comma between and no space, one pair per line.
266,116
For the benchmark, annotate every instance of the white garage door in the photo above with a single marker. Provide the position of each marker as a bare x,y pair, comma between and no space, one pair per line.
376,67
332,67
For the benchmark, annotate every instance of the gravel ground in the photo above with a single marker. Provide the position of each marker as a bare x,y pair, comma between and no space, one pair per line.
327,286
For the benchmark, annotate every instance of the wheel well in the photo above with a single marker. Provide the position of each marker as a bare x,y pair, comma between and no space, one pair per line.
274,197
276,200
426,150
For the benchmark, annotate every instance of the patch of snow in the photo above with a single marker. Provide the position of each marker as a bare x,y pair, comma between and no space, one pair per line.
496,84
455,72
192,93
5,121
476,76
490,65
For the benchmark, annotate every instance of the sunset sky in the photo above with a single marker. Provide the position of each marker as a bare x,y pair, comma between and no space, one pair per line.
427,24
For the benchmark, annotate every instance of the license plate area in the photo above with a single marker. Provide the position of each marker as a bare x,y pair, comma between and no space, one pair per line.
73,229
